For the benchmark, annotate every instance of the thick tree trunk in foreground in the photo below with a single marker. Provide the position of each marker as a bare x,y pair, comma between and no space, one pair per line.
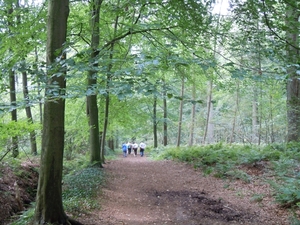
293,82
49,207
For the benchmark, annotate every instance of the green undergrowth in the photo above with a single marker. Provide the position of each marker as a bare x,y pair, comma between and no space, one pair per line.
80,190
280,161
81,184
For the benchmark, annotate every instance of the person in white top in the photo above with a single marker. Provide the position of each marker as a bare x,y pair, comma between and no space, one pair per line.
135,148
142,148
129,147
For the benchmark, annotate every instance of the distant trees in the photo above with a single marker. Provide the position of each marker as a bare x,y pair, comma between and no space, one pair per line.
136,47
169,72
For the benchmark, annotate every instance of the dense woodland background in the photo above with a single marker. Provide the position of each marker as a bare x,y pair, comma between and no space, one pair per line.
167,72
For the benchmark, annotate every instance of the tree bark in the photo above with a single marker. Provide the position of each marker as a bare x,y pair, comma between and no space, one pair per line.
293,82
29,114
208,133
237,97
272,134
180,112
165,109
155,121
12,86
92,105
49,207
193,114
39,88
254,138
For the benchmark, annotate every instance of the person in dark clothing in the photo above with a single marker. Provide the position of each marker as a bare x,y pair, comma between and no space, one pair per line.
129,147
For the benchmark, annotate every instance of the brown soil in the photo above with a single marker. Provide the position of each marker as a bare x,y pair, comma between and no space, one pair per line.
140,191
17,189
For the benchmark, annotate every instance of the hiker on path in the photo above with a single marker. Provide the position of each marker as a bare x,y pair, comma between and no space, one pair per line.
135,148
129,147
142,148
124,149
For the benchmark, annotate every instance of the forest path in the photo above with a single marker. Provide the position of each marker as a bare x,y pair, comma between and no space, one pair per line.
140,191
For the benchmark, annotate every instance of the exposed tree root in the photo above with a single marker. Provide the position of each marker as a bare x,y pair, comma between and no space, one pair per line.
74,222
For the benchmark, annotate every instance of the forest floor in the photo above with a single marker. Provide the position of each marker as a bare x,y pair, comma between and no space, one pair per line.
17,189
140,191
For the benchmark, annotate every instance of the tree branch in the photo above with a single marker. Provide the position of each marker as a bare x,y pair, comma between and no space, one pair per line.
270,28
131,32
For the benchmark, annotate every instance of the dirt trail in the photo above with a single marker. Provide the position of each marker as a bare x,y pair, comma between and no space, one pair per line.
140,192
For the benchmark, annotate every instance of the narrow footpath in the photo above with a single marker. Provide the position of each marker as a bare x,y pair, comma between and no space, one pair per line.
140,191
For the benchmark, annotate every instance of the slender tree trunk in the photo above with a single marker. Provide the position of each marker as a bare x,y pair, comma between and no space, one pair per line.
92,105
12,84
13,99
209,126
107,97
259,107
272,135
39,88
49,207
293,81
255,116
29,114
260,119
165,109
237,97
193,114
155,121
105,124
180,112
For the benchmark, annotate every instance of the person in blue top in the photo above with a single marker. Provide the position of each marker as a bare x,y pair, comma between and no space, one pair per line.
124,149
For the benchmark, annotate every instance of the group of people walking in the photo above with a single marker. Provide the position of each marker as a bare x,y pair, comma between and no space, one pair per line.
129,148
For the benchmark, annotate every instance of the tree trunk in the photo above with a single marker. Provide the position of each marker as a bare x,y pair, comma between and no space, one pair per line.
12,86
254,138
165,109
39,88
237,97
29,114
107,97
105,125
155,121
209,129
180,112
92,106
192,128
49,207
272,134
293,82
